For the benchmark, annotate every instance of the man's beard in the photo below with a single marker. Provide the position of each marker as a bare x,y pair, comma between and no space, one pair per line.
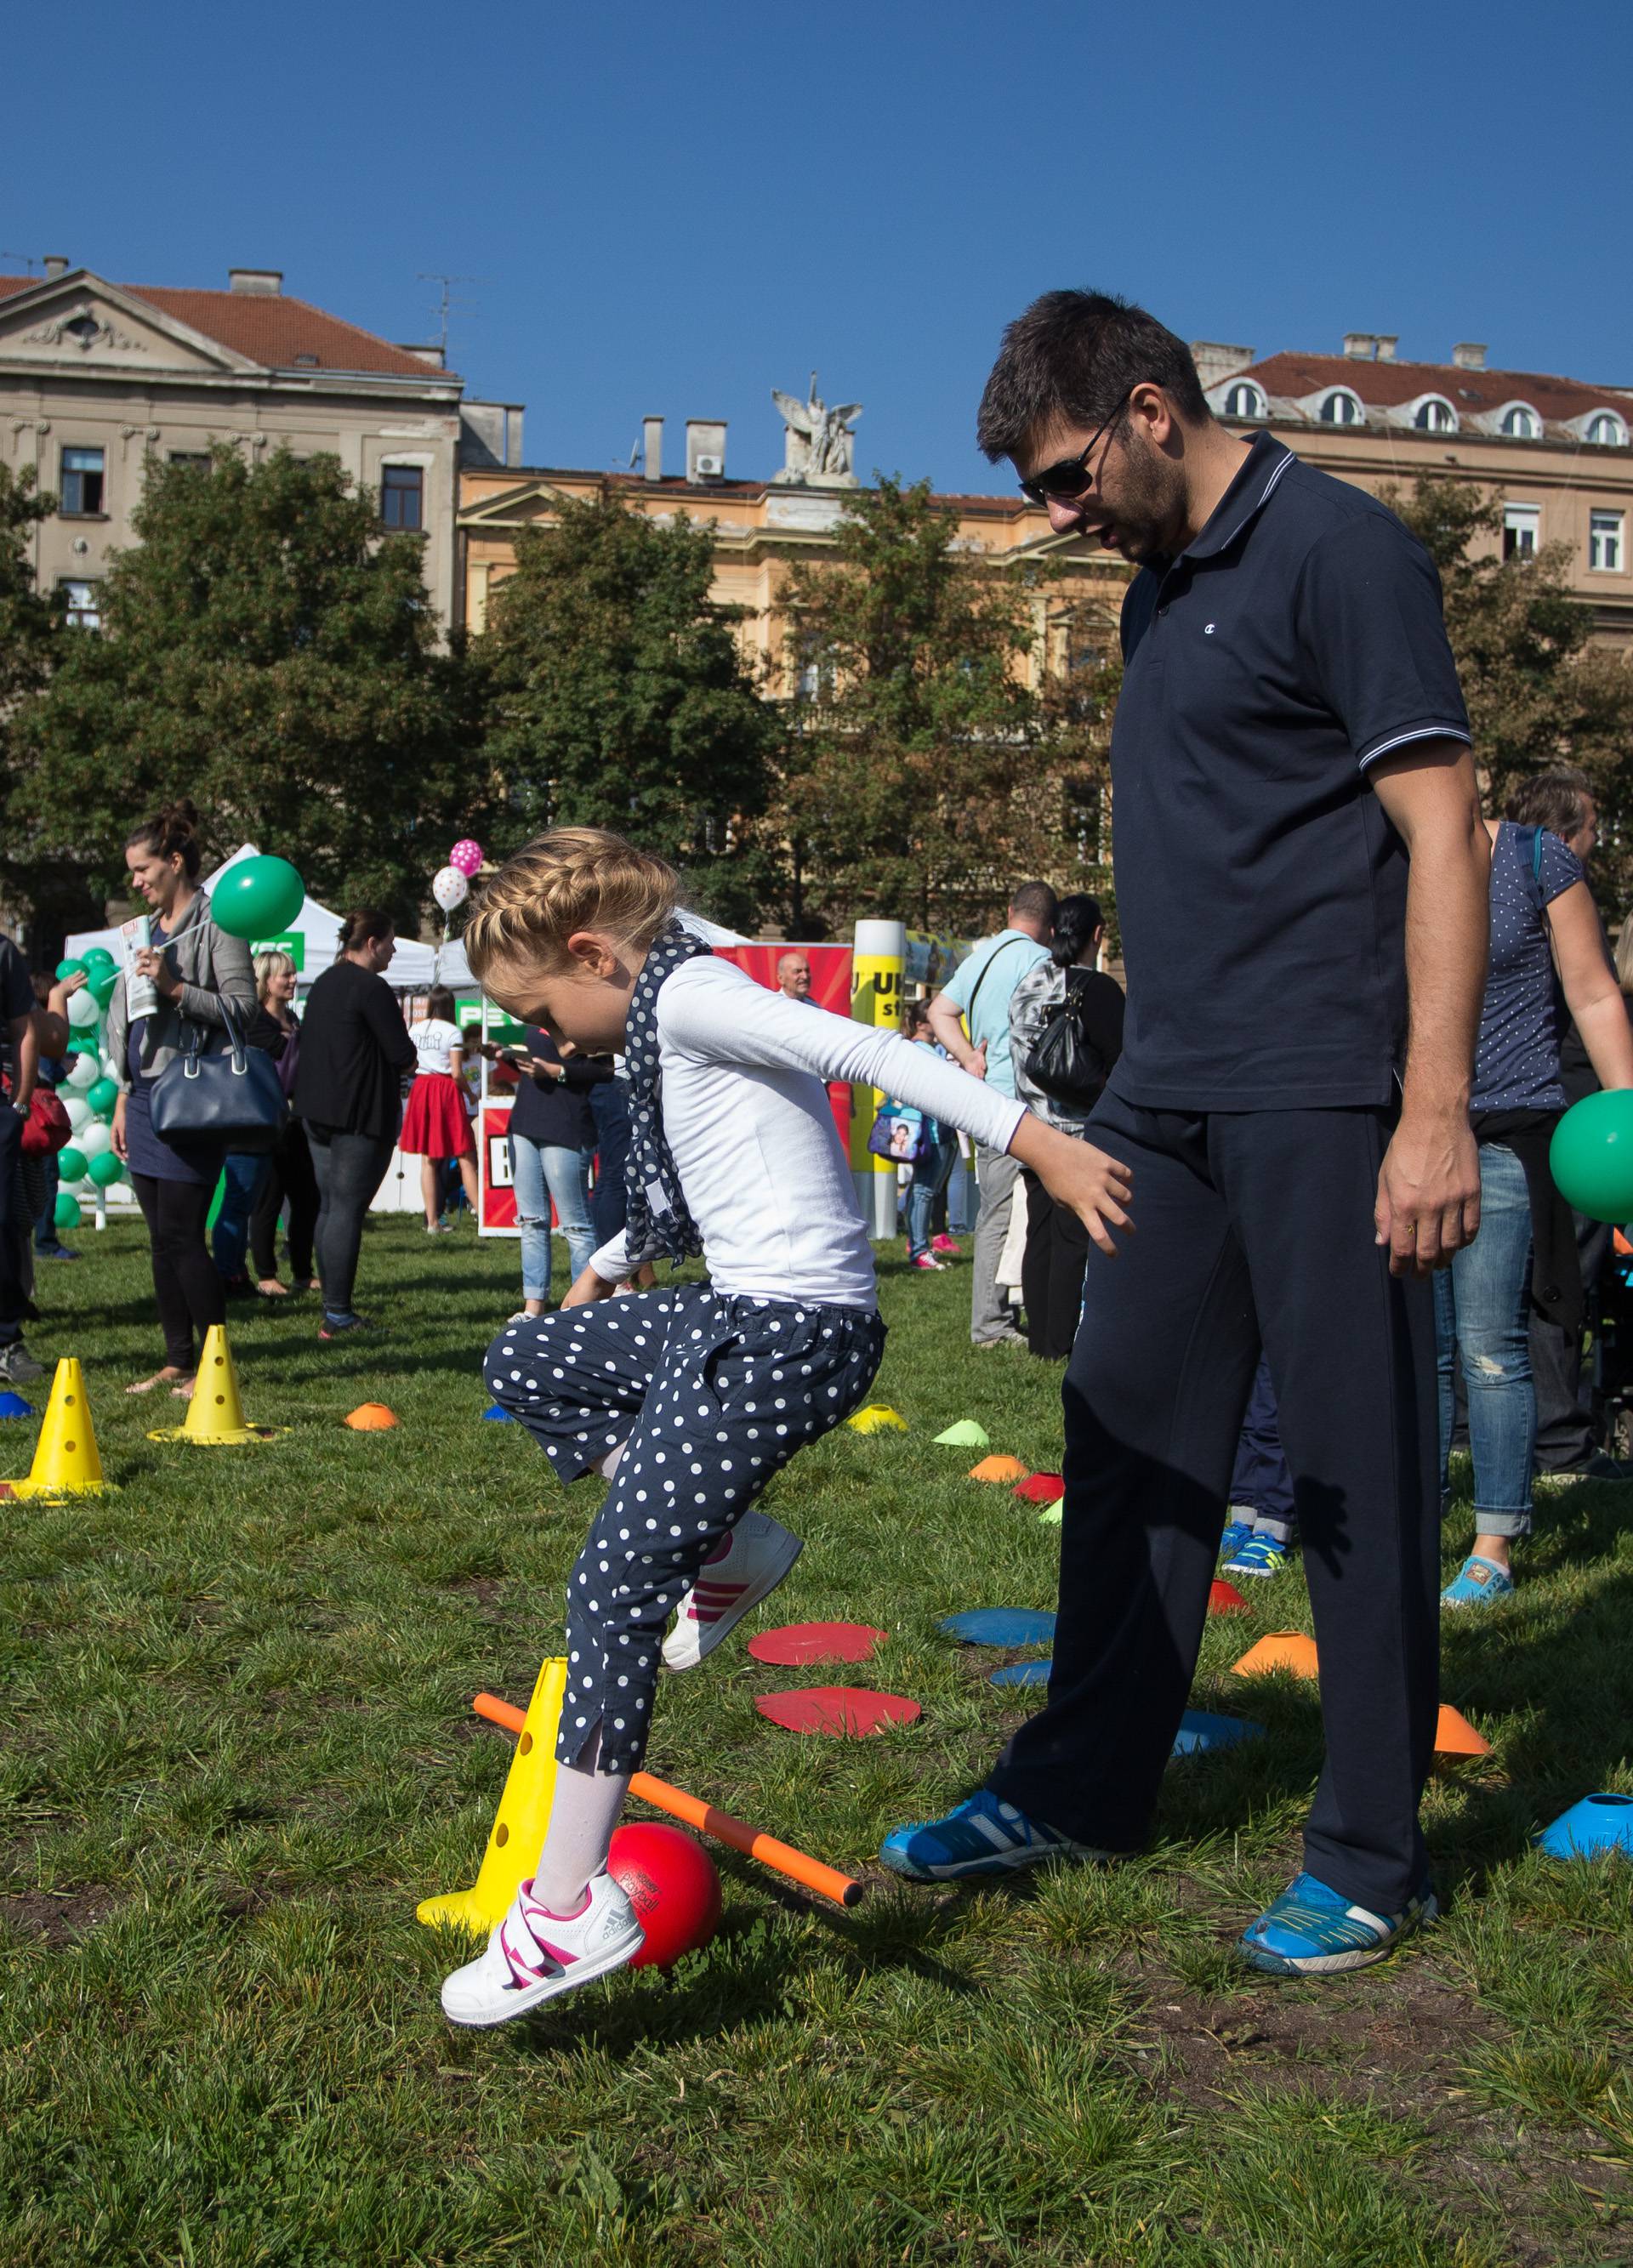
1150,504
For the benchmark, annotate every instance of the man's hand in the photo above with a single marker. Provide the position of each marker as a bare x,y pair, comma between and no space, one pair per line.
1075,1174
1428,1192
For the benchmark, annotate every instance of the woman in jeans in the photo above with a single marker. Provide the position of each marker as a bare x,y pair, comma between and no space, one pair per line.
354,1052
193,968
930,1171
553,1144
289,1178
1542,919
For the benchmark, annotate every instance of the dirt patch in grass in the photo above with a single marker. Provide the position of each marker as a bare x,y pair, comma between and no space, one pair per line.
58,1918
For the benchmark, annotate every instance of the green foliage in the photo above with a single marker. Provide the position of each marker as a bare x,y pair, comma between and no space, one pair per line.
30,628
924,776
621,699
267,652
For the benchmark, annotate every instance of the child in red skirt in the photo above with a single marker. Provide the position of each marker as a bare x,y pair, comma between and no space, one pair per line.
436,1125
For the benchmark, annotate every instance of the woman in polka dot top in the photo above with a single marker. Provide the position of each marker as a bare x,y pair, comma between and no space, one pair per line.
687,1399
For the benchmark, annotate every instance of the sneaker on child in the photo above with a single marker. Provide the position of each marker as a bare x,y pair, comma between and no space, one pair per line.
1260,1554
534,1954
1312,1930
744,1567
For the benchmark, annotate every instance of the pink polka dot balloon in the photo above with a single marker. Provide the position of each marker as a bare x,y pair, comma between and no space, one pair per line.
467,856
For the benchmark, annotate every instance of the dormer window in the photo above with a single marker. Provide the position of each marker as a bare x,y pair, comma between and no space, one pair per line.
1342,407
1243,400
1521,423
306,362
1605,431
1435,417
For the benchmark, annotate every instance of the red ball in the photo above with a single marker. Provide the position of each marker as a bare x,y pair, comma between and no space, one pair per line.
670,1879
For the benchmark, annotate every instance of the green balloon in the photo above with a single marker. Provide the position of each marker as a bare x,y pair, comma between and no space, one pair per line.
100,957
102,1096
1592,1156
65,1212
108,1167
100,984
72,1165
71,968
259,897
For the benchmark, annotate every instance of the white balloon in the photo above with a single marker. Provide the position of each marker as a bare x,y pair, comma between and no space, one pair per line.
449,888
79,1111
92,1138
84,1071
83,1011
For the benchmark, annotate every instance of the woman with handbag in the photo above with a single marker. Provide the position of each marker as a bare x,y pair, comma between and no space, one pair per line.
1066,1032
938,1150
171,1011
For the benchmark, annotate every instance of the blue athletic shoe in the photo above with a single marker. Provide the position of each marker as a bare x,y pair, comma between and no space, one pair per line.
1234,1538
982,1836
1312,1931
1260,1554
1478,1583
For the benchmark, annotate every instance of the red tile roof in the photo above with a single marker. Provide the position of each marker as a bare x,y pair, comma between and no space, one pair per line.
269,328
1390,385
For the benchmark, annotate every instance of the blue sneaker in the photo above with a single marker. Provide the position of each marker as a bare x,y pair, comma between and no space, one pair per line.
1260,1554
1234,1538
1312,1931
1478,1583
982,1836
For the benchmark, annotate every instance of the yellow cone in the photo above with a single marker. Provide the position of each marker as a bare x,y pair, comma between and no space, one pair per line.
878,1418
523,1816
215,1415
66,1463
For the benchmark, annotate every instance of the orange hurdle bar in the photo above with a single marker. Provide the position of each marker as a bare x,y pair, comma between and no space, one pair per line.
781,1857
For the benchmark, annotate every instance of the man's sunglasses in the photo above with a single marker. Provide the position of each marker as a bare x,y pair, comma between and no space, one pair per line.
1067,481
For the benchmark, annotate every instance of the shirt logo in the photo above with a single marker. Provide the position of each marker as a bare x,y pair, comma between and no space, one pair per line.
1207,630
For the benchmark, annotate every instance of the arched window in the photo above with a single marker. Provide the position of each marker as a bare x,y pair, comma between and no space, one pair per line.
1341,408
1605,431
1244,401
1521,423
1435,417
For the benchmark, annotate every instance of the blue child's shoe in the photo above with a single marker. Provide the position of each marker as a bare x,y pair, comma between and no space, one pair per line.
1260,1554
1237,1533
1312,1931
983,1835
1478,1583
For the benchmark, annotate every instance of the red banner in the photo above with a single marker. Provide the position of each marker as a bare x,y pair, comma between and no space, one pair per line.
831,989
499,1199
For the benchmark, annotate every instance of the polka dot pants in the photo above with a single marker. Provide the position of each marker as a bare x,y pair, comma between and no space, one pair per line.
711,1397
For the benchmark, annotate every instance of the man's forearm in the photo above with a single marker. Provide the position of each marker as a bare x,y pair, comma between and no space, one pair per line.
1447,940
948,1026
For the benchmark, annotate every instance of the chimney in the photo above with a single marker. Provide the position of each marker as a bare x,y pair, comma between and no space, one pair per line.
652,447
705,449
1360,346
261,283
1470,353
1214,362
1387,345
57,264
435,357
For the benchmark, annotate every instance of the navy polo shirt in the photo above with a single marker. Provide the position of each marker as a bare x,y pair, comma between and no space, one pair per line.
1260,889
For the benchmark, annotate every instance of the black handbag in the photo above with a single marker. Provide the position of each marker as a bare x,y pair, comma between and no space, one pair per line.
1064,1062
234,1099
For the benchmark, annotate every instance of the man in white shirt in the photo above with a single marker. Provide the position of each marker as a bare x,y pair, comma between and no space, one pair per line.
979,993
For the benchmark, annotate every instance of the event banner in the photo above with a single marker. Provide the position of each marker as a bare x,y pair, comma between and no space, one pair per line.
499,1199
831,989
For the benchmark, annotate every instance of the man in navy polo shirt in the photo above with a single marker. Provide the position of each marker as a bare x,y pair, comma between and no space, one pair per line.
1301,879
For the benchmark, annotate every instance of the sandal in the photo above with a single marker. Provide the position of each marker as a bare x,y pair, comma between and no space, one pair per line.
164,1377
269,1288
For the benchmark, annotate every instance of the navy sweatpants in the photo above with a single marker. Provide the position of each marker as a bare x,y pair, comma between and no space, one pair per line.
1249,1224
710,1397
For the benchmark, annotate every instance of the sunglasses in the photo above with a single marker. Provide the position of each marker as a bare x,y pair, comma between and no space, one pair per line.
1070,479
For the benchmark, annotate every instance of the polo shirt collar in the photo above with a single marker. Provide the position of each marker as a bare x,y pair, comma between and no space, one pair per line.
1262,468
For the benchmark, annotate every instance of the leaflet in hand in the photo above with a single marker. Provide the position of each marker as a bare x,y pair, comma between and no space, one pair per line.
141,992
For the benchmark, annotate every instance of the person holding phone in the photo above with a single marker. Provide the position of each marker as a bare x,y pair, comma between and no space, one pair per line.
552,1146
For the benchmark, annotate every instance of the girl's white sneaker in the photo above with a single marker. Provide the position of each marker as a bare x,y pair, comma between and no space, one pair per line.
534,1954
744,1567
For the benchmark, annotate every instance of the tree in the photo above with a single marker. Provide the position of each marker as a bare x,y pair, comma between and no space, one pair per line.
924,776
1539,693
620,698
30,632
266,650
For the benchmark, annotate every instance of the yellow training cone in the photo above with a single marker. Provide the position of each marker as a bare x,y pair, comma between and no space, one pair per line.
215,1415
66,1463
517,1834
878,1418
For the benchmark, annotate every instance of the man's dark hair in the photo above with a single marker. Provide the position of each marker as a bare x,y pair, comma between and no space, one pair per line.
1037,901
1075,926
1552,800
1070,360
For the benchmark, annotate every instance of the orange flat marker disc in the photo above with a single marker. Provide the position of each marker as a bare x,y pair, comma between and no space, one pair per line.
1280,1650
1225,1598
798,1645
999,1468
846,1712
371,1418
1455,1736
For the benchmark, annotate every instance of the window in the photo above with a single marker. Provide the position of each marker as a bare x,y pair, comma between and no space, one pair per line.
82,482
1521,423
1342,408
401,495
196,460
1607,430
1435,417
1522,525
1604,541
85,608
1245,400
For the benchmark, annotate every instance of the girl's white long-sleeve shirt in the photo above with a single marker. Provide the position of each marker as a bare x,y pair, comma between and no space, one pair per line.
747,1118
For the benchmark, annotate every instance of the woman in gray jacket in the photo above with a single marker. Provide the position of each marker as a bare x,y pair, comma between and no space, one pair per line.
193,966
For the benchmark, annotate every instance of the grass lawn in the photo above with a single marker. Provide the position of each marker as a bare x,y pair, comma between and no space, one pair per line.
238,1747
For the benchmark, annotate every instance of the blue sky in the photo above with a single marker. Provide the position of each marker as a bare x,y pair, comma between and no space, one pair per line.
673,208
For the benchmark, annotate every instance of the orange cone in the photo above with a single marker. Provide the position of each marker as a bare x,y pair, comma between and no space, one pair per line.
1455,1736
371,1418
1279,1650
1007,1469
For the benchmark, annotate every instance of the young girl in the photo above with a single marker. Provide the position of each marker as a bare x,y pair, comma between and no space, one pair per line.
436,1125
689,1398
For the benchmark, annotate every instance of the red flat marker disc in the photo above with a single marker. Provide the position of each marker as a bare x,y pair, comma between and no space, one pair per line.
1225,1598
798,1645
848,1712
1043,1488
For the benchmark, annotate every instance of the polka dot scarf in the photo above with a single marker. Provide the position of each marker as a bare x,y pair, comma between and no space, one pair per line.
658,1226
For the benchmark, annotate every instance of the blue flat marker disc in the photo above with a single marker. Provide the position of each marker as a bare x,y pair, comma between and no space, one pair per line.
1000,1626
1022,1673
495,1416
13,1405
1200,1731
